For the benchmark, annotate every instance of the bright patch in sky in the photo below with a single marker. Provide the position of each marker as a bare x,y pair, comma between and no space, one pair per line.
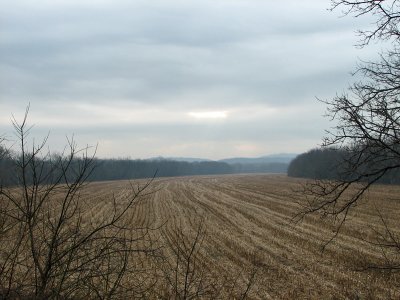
209,115
210,79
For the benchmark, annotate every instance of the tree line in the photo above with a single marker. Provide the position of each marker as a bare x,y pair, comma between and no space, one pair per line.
120,169
346,164
55,243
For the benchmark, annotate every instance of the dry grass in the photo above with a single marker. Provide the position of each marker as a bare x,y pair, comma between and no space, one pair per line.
247,219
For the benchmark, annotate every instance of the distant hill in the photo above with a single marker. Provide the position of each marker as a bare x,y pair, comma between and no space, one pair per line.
285,158
274,163
126,168
186,159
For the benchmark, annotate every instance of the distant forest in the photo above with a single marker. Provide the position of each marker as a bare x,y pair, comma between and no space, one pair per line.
119,169
330,163
111,169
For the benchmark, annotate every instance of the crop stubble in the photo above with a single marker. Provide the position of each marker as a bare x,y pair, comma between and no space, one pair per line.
248,218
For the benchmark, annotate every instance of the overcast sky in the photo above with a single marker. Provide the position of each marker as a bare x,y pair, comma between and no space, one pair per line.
197,78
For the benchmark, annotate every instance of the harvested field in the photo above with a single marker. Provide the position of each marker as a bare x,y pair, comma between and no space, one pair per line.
247,221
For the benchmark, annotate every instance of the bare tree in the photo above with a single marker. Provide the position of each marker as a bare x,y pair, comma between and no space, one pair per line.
368,127
182,266
385,12
52,247
49,246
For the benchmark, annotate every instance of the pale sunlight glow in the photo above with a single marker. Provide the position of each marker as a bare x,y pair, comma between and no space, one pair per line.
209,115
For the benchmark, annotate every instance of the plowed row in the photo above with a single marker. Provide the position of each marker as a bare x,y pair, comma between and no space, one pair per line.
248,219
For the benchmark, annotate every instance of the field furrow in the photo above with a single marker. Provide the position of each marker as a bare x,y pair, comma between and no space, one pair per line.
248,221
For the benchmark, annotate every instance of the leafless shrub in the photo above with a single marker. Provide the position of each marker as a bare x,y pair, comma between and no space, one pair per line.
367,129
49,248
185,275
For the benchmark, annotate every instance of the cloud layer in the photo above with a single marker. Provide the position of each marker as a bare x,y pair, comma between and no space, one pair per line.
128,74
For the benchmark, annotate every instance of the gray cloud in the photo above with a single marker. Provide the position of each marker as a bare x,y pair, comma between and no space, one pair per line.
100,69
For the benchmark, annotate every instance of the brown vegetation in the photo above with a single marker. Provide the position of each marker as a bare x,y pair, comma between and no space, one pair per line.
209,237
249,236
